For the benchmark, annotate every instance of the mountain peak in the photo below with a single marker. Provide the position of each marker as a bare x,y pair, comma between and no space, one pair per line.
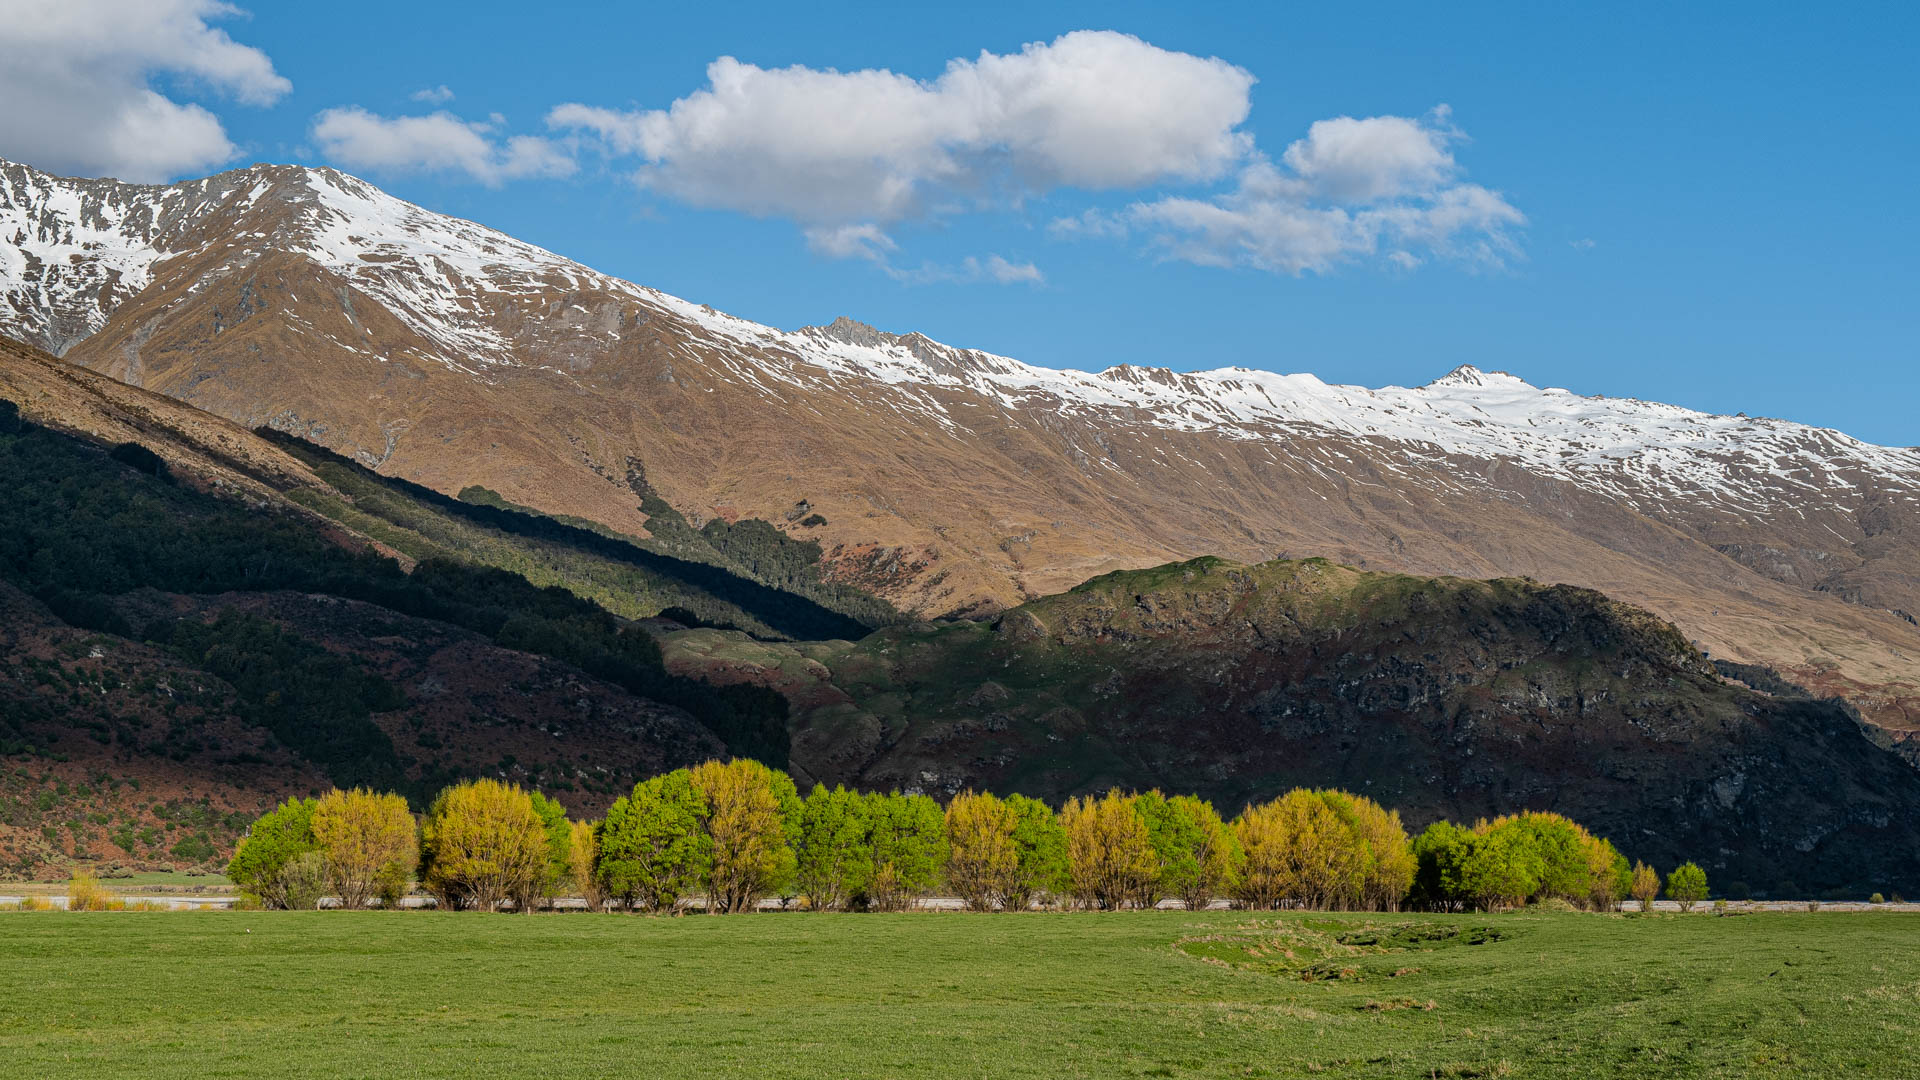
1468,375
852,332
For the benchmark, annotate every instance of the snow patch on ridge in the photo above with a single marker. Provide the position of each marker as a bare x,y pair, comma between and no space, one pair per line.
1645,452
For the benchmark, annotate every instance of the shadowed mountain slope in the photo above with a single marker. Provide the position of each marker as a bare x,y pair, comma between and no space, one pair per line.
1442,697
199,621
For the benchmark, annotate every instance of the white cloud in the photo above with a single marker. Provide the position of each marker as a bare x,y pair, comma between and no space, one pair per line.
872,243
75,80
1381,157
1009,273
1088,223
849,155
1385,186
1092,109
852,242
438,142
970,270
433,95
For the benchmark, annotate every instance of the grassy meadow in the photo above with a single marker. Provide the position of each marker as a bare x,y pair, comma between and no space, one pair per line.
1165,994
143,883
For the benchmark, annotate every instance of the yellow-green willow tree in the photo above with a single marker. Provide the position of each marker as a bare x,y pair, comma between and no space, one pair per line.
1327,850
1385,851
1265,875
1644,885
370,843
984,863
1318,864
482,843
1608,875
1110,856
585,849
747,809
652,850
1567,862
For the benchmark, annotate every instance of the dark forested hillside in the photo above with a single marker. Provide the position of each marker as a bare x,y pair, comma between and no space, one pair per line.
82,527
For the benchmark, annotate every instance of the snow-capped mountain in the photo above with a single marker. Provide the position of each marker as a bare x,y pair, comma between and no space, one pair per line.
1638,450
79,248
949,478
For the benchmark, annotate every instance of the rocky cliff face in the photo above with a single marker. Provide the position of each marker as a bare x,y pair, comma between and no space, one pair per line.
952,480
1442,697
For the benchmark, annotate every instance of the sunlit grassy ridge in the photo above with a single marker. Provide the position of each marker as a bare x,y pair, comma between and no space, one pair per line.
948,995
1057,669
629,577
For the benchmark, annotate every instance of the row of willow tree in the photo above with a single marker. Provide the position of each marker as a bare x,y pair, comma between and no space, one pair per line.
733,834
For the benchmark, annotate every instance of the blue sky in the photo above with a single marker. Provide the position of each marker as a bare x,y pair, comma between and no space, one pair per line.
1705,204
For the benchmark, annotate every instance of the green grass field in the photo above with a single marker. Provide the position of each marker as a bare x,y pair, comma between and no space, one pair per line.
144,883
326,994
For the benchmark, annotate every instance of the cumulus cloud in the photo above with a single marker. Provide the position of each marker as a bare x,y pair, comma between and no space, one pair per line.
438,142
433,95
1386,187
850,156
1380,157
829,149
76,79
